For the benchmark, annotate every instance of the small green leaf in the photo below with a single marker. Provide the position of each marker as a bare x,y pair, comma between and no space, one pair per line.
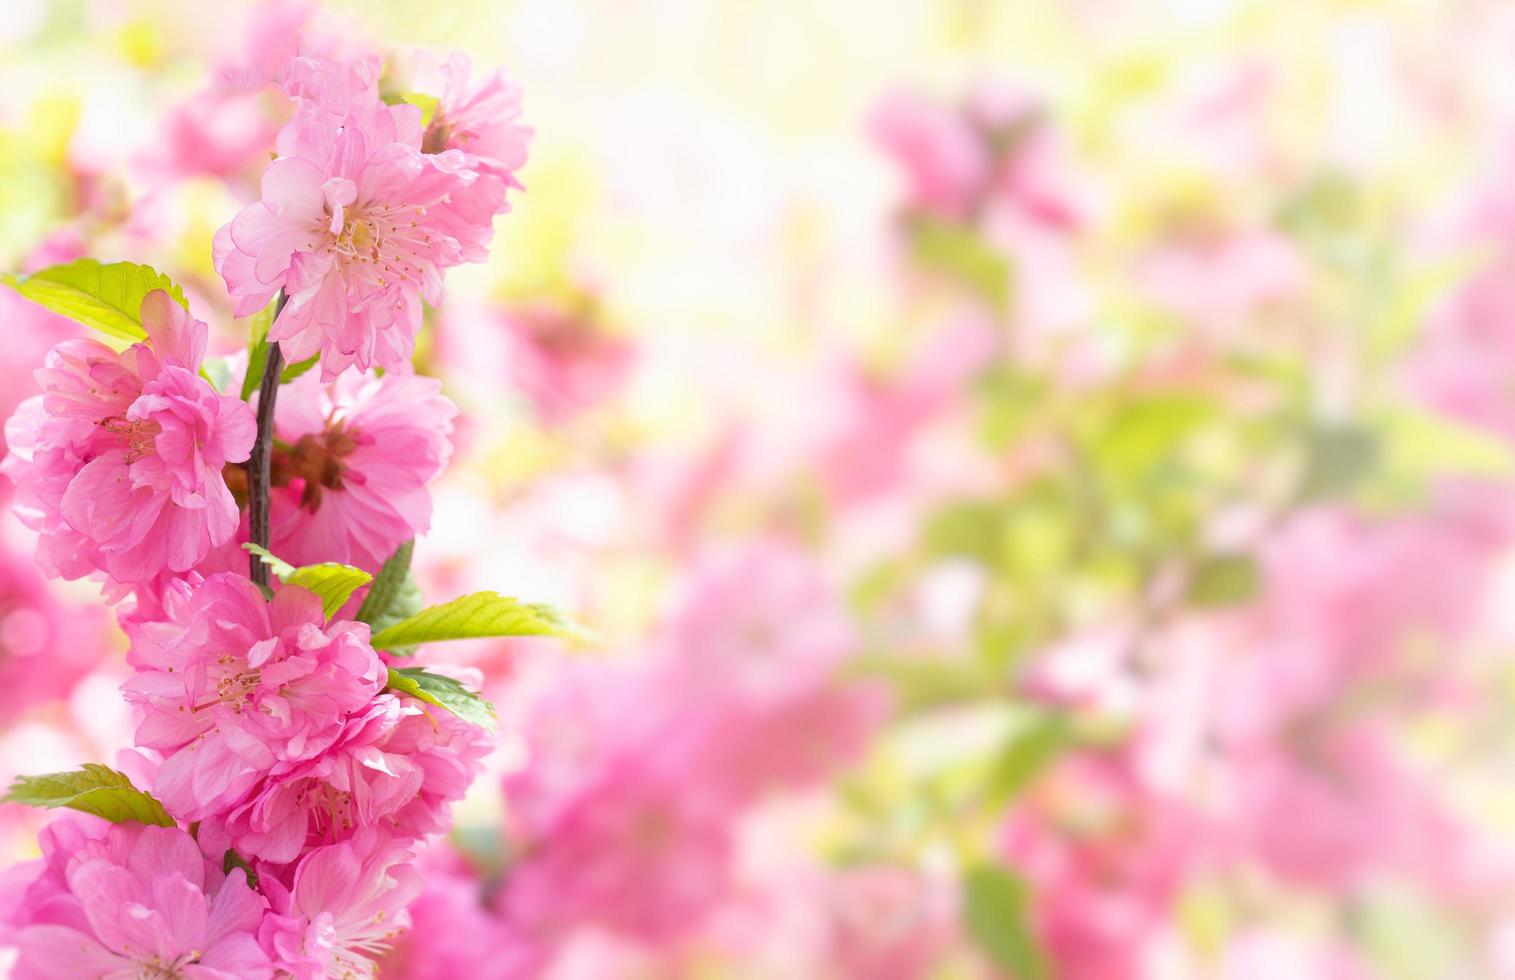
217,372
277,565
232,860
257,347
475,615
293,371
332,581
1026,754
444,692
996,912
105,297
392,576
95,789
962,254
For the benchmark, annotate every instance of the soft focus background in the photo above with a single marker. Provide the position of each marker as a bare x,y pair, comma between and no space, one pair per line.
1041,474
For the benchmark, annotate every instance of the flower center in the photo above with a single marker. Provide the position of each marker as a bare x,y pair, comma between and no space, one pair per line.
318,459
382,243
136,435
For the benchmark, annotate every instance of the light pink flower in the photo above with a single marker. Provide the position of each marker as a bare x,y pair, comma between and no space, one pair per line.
235,688
118,462
356,225
127,900
340,908
353,484
945,160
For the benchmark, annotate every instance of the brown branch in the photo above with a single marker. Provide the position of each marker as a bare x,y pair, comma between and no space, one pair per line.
258,464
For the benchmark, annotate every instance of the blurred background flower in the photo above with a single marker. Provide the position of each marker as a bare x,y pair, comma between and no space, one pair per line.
1040,475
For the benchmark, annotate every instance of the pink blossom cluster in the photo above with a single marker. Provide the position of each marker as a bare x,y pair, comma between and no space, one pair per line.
298,780
366,205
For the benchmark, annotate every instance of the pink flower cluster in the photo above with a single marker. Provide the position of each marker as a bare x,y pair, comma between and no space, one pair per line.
299,781
117,464
364,208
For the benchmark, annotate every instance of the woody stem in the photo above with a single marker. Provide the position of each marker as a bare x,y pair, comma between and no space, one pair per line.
258,472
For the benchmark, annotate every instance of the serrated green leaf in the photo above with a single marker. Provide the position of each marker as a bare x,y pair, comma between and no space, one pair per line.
393,575
281,568
105,297
477,614
444,692
293,371
407,601
332,581
996,913
257,347
95,789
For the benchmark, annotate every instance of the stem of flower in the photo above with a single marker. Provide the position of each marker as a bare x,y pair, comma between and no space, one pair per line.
258,463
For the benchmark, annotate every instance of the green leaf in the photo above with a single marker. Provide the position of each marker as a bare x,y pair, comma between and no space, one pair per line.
95,789
1027,753
232,860
1224,580
277,565
106,297
393,575
444,692
962,254
293,371
217,372
332,581
406,603
257,347
475,615
996,912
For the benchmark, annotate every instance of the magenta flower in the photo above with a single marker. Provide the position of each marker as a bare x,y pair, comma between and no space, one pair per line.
343,908
127,900
355,225
235,688
324,799
352,487
118,462
396,764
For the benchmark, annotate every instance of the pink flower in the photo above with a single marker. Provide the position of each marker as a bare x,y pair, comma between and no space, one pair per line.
481,124
1105,888
118,462
398,763
47,644
356,225
127,900
343,907
353,485
453,935
760,623
945,160
644,848
235,688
